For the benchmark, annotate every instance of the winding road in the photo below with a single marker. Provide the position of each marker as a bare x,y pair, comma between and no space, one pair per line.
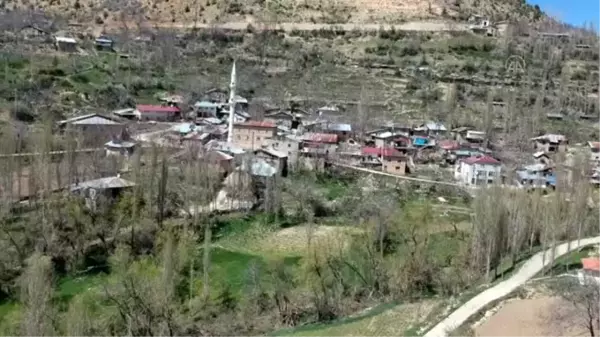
533,266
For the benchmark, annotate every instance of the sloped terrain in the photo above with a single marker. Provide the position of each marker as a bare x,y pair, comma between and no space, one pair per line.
112,12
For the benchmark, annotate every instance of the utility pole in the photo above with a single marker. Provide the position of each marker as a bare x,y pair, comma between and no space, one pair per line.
231,104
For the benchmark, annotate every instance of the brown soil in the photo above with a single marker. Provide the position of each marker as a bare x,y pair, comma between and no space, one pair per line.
542,316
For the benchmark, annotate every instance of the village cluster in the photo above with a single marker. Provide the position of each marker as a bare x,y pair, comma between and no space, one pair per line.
291,138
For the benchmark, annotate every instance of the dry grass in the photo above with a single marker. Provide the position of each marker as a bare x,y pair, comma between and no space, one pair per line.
292,241
393,322
212,11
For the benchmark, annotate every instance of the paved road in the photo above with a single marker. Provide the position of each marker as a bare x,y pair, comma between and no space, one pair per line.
533,266
423,26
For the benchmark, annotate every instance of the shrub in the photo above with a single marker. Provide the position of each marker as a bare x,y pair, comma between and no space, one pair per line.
22,113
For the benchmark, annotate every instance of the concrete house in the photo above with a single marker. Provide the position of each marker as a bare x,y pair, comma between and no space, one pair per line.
251,135
289,145
550,143
478,170
391,160
536,176
159,113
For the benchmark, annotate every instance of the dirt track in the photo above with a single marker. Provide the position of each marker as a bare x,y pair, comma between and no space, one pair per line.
533,317
423,26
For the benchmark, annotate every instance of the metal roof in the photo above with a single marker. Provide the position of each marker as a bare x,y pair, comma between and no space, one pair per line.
206,104
144,108
340,127
64,39
89,119
120,144
103,183
271,151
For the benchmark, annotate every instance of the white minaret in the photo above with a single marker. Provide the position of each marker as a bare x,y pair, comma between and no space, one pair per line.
231,104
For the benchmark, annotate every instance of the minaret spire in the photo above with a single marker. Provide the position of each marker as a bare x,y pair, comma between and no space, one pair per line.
232,84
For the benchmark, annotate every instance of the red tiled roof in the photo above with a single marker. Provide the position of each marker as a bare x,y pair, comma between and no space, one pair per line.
481,160
449,145
144,108
378,151
320,137
594,145
257,124
591,263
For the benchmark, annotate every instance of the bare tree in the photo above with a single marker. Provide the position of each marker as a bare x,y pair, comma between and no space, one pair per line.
36,288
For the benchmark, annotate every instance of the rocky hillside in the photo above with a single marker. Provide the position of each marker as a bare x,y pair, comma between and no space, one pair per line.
111,12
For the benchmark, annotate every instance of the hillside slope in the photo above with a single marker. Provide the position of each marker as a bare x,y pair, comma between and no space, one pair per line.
109,12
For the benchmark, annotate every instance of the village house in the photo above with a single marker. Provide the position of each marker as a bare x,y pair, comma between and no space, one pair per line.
206,109
109,188
277,159
594,148
220,161
104,43
291,118
536,176
550,143
319,144
342,130
65,44
157,113
388,138
430,129
590,271
288,144
118,147
474,137
252,134
478,170
391,160
448,145
91,129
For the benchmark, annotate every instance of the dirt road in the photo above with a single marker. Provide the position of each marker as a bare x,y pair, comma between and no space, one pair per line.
533,266
423,26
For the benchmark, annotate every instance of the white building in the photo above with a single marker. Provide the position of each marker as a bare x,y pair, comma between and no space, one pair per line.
478,170
594,152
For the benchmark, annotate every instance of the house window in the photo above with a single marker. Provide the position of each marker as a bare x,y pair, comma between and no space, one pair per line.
472,181
247,137
397,167
491,173
257,138
289,145
490,181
